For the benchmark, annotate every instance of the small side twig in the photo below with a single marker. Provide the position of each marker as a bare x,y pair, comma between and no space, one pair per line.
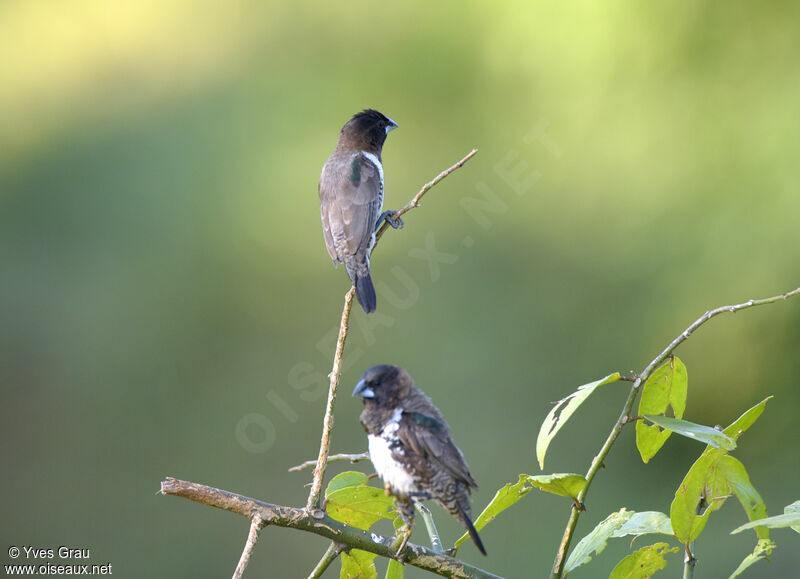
353,458
336,371
334,549
252,537
597,462
425,188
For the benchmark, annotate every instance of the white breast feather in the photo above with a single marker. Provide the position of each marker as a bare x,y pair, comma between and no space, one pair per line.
386,466
379,166
375,161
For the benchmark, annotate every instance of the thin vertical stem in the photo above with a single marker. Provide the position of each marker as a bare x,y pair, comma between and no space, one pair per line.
252,537
327,422
327,558
433,532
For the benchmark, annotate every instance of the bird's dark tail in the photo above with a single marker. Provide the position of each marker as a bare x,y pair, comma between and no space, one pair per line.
471,530
365,292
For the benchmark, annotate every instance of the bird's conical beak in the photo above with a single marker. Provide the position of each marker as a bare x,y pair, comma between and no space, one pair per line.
363,390
391,125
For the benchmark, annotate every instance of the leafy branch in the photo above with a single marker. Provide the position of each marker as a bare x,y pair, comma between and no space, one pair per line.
625,416
321,524
713,478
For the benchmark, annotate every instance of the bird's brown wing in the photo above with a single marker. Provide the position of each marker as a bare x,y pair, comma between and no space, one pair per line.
350,192
429,437
325,200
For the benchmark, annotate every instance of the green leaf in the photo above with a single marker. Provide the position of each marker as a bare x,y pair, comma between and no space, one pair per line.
394,570
746,420
645,523
360,506
714,476
565,408
763,550
787,519
643,563
563,484
503,498
666,387
596,540
748,496
792,509
350,501
350,478
686,522
699,432
358,565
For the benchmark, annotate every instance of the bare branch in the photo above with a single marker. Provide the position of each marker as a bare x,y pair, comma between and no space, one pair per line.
321,524
425,188
327,421
327,558
597,462
353,458
336,371
255,526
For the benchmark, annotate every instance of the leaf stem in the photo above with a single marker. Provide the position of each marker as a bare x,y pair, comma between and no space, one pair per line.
688,562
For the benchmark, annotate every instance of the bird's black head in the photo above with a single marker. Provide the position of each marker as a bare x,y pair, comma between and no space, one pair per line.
383,385
367,131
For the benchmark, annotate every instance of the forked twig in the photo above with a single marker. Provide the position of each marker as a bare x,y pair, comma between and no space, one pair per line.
353,458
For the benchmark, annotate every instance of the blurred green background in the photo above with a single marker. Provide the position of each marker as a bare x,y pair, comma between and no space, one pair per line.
167,306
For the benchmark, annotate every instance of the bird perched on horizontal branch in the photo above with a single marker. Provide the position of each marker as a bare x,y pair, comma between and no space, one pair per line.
351,199
411,449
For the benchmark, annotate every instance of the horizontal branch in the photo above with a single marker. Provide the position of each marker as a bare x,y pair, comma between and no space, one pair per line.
325,526
353,458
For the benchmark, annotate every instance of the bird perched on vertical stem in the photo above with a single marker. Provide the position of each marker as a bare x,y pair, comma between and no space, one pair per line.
351,199
411,448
